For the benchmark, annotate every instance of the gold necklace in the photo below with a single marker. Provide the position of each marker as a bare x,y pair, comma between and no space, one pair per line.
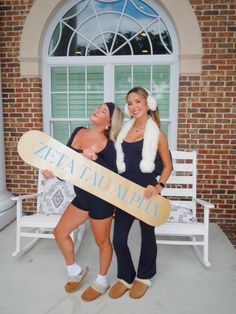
136,130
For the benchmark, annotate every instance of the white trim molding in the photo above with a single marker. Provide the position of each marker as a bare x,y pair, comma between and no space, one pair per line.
189,35
180,12
33,35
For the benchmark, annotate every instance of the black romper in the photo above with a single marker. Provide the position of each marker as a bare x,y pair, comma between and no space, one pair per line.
96,207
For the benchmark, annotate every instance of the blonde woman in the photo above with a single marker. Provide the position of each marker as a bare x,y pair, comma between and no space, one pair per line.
142,155
96,143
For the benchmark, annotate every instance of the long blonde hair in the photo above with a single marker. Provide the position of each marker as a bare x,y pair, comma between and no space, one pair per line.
143,92
116,124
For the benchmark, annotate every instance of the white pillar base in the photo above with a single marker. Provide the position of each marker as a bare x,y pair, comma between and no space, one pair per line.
5,201
7,216
7,212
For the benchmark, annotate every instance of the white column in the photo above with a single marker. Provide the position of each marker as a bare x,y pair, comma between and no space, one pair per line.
7,208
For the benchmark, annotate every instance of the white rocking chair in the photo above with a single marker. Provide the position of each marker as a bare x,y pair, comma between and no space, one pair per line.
182,227
52,198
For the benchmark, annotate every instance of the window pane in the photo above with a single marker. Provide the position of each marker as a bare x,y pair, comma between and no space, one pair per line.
77,106
94,100
161,78
142,75
145,7
140,11
55,39
123,78
160,38
121,47
116,6
58,79
59,106
141,45
129,27
95,79
105,21
66,34
123,82
77,78
61,131
163,104
97,47
165,35
161,88
120,100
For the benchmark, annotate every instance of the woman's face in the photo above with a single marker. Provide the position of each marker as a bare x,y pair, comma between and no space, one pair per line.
101,116
137,105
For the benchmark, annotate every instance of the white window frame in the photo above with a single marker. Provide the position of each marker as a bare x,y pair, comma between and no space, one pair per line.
109,62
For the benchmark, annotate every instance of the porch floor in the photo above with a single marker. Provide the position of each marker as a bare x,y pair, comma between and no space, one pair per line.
34,282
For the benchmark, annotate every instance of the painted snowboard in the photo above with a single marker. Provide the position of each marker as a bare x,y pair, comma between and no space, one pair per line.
44,152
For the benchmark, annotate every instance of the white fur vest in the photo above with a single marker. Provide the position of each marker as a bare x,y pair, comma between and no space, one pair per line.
149,150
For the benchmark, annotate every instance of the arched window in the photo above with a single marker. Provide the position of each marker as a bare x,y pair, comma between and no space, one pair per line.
102,28
96,50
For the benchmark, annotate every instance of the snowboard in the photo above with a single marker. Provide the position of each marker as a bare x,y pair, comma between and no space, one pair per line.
40,150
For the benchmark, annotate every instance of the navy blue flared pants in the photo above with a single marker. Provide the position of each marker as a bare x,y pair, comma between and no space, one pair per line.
147,259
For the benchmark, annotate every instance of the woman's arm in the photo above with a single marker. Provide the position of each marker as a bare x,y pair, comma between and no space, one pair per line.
164,153
163,150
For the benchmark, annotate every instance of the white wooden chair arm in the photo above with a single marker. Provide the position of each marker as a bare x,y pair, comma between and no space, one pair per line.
19,200
204,203
24,197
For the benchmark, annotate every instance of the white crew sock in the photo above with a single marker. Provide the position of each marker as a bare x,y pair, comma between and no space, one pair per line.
74,269
102,280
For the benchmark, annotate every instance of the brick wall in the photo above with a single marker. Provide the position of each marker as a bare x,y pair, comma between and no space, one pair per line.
207,113
22,100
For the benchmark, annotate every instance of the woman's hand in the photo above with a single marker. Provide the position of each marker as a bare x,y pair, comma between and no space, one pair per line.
89,153
152,190
47,174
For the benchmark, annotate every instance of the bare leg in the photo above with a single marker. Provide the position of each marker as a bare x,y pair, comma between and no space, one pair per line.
101,231
70,220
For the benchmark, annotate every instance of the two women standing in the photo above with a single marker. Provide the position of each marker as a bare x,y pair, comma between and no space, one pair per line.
140,154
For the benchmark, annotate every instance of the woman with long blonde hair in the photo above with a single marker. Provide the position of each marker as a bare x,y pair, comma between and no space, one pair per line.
95,143
142,155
